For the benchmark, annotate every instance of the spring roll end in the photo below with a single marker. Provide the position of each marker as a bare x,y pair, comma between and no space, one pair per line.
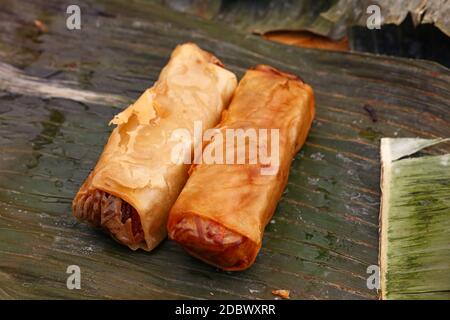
212,242
112,215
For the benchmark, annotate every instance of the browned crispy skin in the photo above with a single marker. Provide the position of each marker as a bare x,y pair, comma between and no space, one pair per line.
220,215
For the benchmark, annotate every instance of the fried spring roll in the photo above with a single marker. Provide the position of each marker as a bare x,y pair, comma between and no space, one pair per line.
220,215
135,182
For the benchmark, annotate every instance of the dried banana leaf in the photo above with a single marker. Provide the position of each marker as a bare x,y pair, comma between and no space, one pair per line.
324,234
435,12
264,16
415,221
329,18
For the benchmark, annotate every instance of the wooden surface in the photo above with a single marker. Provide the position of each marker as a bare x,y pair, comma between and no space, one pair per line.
324,234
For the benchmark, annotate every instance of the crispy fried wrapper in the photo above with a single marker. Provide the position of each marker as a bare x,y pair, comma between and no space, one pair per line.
220,215
136,180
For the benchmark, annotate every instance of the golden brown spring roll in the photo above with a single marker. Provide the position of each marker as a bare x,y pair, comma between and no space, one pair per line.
220,215
135,182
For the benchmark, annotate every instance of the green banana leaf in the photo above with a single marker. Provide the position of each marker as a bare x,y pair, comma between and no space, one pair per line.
415,221
59,89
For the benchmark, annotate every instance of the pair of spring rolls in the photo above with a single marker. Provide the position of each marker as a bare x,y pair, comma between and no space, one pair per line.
135,182
220,215
222,211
